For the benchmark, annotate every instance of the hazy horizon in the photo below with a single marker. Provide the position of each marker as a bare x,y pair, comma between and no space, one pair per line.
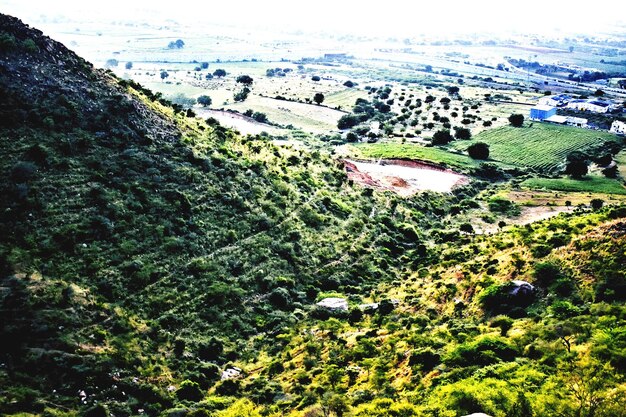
389,18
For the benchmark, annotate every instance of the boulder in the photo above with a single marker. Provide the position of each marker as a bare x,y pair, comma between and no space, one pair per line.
334,303
231,373
521,289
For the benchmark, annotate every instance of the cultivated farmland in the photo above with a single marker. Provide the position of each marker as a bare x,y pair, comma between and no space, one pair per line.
539,146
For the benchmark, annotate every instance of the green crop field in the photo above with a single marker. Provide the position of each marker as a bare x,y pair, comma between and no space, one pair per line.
345,99
590,184
539,146
415,152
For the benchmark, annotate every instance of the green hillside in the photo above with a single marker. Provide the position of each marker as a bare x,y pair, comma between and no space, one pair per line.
144,252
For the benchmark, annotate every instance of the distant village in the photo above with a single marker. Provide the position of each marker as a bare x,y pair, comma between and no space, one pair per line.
547,111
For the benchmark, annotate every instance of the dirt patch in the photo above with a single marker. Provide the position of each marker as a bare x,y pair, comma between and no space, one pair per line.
403,177
245,125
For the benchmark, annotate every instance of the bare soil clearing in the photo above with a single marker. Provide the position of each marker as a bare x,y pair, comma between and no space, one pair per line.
403,177
243,124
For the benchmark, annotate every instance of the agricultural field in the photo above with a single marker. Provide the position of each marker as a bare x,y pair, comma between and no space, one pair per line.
588,184
542,147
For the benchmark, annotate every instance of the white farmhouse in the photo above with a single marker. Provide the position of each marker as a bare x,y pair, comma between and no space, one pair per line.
618,127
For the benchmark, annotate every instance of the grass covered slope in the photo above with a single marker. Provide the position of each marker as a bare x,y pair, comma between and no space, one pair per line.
458,342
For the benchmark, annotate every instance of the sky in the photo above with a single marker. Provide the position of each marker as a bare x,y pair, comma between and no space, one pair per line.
382,17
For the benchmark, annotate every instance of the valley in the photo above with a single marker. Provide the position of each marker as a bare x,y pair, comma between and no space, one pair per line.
224,220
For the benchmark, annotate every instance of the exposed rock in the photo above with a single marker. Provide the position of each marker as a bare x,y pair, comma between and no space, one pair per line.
231,373
368,307
521,289
477,415
334,303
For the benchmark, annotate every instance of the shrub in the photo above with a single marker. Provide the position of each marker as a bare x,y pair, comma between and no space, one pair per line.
23,171
516,120
189,391
462,133
7,41
442,137
503,206
484,351
545,273
564,309
478,150
204,100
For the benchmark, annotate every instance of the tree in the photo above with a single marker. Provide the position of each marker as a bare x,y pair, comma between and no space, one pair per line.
334,403
318,98
111,63
478,150
245,80
442,137
453,90
164,75
204,65
349,84
577,165
177,44
129,65
463,133
219,73
242,95
260,117
598,93
596,203
315,78
204,100
516,120
347,121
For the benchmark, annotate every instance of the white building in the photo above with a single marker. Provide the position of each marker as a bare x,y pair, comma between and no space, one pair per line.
618,127
567,120
592,105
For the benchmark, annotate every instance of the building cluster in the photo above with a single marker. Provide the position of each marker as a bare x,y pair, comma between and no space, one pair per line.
546,111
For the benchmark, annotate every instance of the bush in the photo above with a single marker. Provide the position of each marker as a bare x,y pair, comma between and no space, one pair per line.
280,298
348,121
442,137
7,41
564,310
545,273
30,46
189,391
463,133
484,351
23,172
478,150
242,95
204,100
503,206
315,78
596,203
516,120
